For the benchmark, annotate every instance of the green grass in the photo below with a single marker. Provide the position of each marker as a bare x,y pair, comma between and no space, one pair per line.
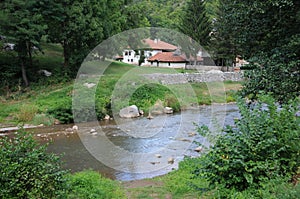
182,183
52,95
90,185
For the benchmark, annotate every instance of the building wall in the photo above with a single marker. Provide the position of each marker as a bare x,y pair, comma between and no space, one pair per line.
148,54
172,65
130,57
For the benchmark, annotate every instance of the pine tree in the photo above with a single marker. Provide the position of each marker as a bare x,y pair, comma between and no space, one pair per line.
195,22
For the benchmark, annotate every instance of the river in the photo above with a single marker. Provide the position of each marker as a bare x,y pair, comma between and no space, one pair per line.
131,149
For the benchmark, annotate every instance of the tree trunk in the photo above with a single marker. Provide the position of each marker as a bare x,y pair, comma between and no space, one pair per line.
29,45
24,75
66,54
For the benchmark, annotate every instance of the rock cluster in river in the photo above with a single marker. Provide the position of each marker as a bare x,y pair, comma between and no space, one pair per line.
133,111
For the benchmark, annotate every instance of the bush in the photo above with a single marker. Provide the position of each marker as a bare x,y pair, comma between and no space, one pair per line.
264,145
275,188
276,72
27,171
43,119
91,185
63,114
183,181
26,113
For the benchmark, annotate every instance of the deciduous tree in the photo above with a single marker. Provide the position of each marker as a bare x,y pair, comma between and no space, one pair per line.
26,26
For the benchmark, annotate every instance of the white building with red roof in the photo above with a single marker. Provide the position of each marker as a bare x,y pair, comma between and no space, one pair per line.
159,54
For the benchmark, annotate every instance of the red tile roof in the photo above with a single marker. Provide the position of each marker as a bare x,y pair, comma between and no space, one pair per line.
159,45
167,57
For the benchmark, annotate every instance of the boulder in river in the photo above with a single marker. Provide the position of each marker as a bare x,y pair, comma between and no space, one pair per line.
168,110
171,160
129,112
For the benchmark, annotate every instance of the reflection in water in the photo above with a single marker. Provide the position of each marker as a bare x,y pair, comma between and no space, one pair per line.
166,135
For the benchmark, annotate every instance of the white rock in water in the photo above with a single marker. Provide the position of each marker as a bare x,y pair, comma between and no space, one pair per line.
168,110
198,149
75,127
129,112
89,85
69,130
192,134
93,131
171,160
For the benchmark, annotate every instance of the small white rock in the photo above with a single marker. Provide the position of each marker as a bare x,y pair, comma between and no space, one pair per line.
192,134
198,149
92,131
171,160
69,130
75,127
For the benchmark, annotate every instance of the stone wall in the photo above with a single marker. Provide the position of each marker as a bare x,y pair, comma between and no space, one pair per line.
182,78
202,67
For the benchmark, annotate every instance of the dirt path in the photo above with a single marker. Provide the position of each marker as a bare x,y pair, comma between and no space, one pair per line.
141,183
145,188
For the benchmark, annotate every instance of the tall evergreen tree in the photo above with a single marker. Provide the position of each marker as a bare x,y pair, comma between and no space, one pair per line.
195,22
224,47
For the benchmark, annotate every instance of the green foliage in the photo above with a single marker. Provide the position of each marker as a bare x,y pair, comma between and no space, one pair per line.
43,119
91,185
26,27
278,74
183,180
27,171
147,95
26,113
264,145
195,22
279,188
57,104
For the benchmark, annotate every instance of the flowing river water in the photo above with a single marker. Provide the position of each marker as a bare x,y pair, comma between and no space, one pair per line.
131,149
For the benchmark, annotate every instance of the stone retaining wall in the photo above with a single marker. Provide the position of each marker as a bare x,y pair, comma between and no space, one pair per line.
180,78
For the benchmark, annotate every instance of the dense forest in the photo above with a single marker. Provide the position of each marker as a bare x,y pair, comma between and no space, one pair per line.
257,30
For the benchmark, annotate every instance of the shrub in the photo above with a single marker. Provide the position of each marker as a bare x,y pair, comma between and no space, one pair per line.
43,119
26,113
183,181
171,101
275,188
90,185
27,171
264,145
63,114
276,72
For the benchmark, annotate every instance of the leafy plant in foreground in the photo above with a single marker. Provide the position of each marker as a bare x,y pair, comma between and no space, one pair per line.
27,171
90,184
264,145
